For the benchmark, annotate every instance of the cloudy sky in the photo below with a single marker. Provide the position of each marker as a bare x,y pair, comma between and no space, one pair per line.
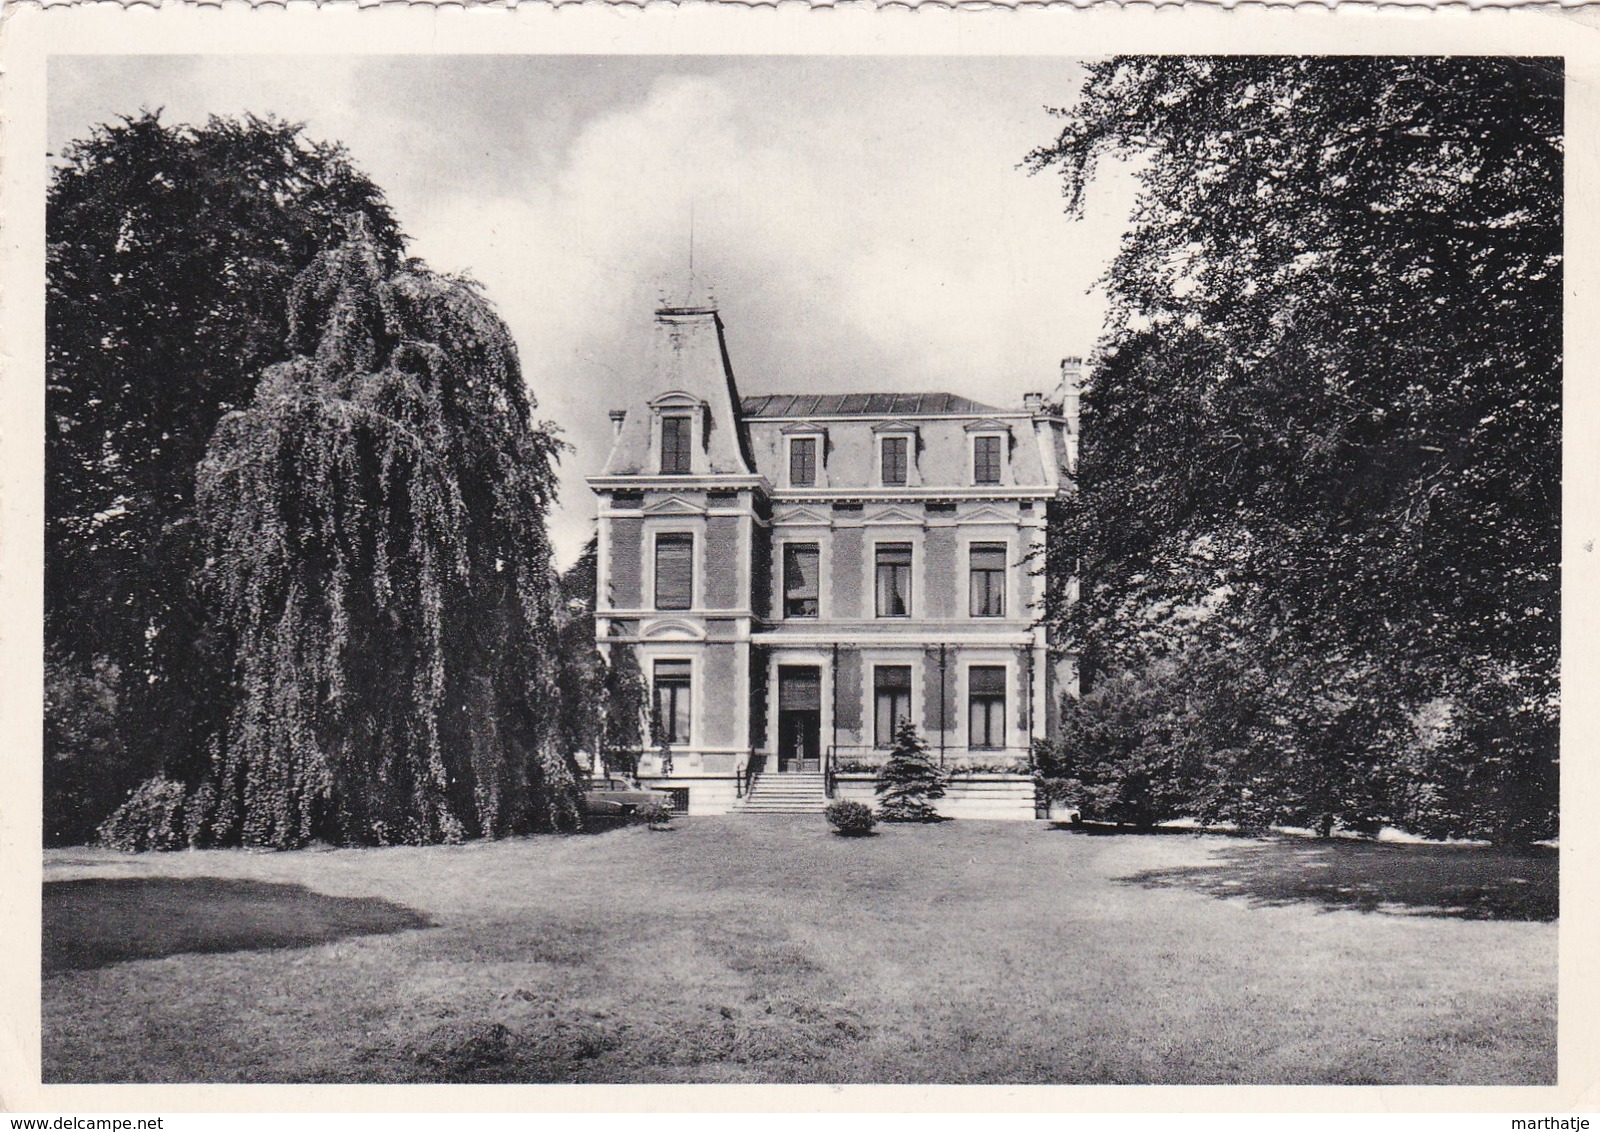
862,222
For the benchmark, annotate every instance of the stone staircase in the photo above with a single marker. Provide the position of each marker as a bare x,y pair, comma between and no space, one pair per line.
784,793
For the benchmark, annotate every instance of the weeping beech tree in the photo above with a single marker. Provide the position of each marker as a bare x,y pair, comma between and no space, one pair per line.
375,525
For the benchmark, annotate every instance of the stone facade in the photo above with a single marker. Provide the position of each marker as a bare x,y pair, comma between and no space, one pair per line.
798,573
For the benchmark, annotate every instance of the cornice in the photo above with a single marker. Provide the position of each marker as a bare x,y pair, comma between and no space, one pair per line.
723,481
912,495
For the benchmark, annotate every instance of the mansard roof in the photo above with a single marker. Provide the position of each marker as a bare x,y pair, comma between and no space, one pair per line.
784,405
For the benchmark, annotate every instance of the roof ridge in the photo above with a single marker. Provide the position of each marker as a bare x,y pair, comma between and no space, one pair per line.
858,404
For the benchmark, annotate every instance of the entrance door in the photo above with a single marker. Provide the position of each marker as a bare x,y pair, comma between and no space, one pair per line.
799,718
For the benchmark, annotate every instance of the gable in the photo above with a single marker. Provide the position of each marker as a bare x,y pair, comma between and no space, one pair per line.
989,513
671,505
894,514
800,517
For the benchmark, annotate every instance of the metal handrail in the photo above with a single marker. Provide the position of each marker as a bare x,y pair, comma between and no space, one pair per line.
1022,757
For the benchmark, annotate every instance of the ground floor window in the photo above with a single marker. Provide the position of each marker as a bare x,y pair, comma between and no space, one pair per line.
986,707
892,695
672,701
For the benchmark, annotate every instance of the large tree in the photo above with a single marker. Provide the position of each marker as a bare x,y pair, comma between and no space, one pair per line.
171,251
1324,422
375,536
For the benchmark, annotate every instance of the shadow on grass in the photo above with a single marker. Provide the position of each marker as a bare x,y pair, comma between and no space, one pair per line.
1469,882
93,923
611,823
1109,829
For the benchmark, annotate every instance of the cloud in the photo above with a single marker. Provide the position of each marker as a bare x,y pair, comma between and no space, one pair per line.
863,221
842,257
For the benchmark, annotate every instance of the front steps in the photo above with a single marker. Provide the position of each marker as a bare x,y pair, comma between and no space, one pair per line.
784,793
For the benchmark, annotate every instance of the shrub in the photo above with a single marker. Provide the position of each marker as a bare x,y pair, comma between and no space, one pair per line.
653,814
151,818
1013,766
1120,758
909,781
851,819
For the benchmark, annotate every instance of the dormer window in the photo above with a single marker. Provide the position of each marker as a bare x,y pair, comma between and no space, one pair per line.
677,433
896,447
990,449
803,461
681,426
895,460
804,453
986,459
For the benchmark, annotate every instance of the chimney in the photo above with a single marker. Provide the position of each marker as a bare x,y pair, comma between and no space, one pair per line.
1069,391
1033,403
617,417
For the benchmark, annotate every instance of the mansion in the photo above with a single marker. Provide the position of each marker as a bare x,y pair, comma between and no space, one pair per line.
800,573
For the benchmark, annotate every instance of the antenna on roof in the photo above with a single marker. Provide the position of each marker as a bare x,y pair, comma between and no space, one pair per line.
688,294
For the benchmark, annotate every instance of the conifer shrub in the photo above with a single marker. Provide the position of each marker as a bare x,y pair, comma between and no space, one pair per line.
851,819
151,818
909,781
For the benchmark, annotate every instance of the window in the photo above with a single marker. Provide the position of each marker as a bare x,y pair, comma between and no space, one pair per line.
674,571
891,686
894,579
988,580
803,461
671,701
800,568
894,460
986,459
986,708
675,434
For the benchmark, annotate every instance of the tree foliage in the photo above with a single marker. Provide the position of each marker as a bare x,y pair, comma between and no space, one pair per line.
603,691
1221,735
87,771
909,782
1324,421
170,254
374,526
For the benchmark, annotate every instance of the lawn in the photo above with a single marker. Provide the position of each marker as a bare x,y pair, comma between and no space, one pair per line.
765,949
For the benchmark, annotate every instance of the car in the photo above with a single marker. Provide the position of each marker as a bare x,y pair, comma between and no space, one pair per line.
618,797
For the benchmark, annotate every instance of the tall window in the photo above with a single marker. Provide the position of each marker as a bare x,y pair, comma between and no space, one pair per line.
894,579
894,459
803,461
674,571
986,708
891,687
986,459
988,580
675,433
800,569
672,701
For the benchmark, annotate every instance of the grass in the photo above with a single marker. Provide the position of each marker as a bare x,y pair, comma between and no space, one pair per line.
742,949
